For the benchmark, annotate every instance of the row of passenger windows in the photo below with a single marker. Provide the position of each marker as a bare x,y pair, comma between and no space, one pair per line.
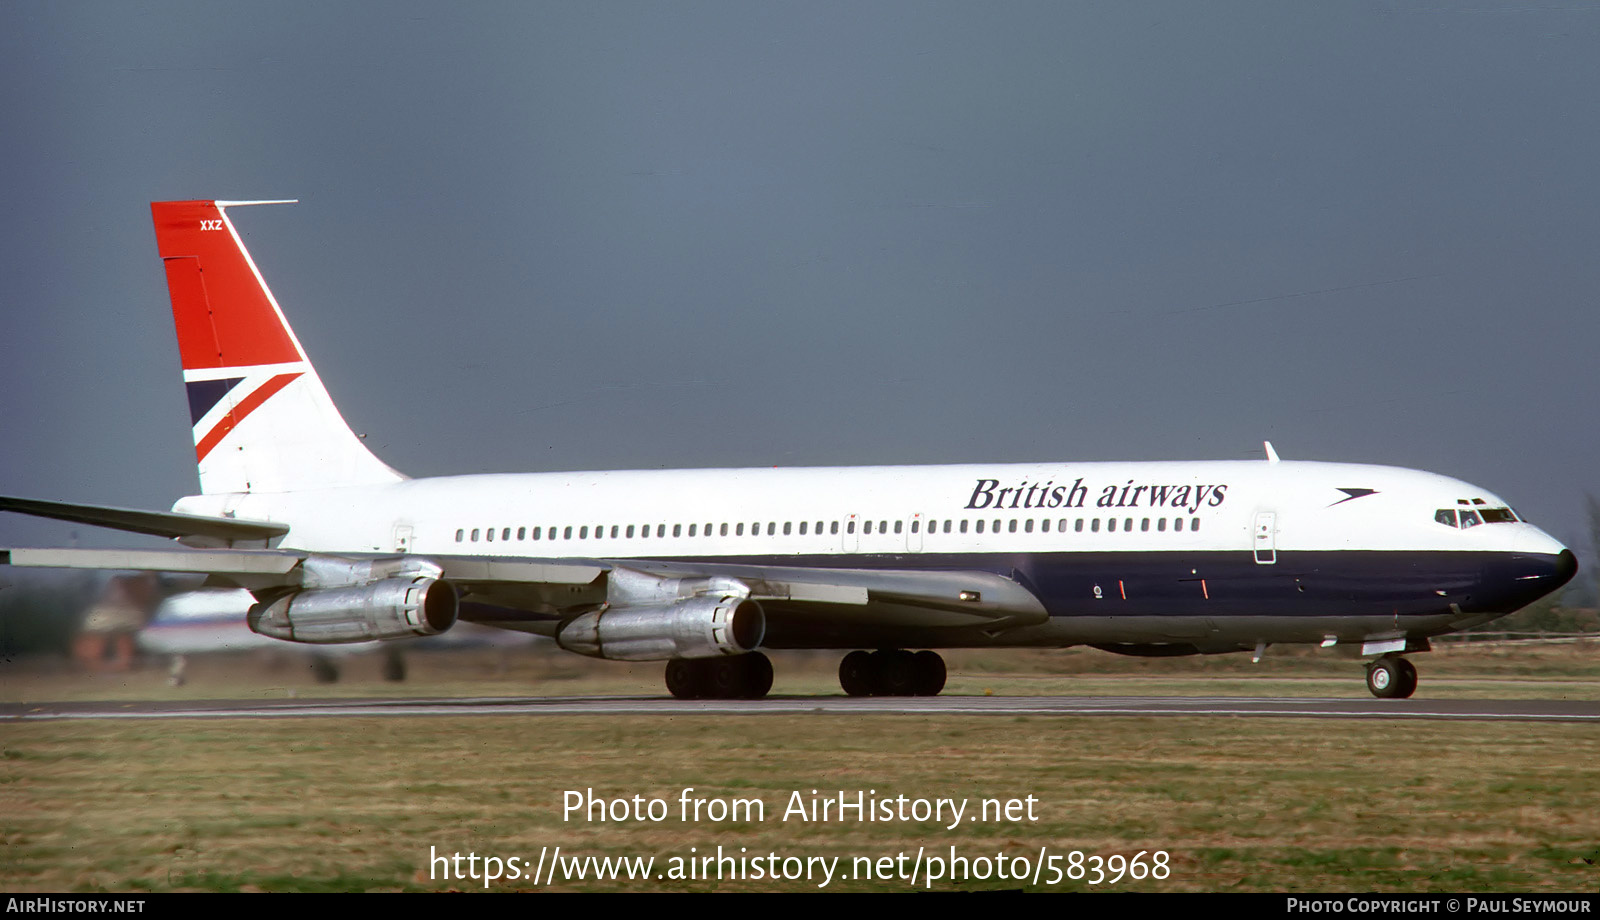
643,531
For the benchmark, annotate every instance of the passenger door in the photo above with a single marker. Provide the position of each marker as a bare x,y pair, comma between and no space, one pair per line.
1266,538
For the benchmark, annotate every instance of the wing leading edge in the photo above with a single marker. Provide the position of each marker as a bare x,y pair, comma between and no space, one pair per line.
157,523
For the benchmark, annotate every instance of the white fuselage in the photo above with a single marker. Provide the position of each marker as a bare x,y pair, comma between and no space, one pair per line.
1219,555
1193,507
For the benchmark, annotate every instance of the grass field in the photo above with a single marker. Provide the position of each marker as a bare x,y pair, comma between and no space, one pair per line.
1239,804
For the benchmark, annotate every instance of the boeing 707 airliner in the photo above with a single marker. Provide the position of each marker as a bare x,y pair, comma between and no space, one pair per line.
703,568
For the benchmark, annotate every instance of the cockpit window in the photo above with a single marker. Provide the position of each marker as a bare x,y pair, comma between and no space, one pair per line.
1472,518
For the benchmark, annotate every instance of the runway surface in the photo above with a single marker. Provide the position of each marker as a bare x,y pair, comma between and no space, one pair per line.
1482,710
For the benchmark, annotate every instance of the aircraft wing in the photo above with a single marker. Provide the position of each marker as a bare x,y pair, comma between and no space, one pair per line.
265,567
157,523
899,597
283,568
514,592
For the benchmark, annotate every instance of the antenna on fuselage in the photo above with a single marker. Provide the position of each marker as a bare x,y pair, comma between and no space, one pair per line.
1272,455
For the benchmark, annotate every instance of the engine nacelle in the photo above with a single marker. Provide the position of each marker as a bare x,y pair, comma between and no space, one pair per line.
696,627
394,608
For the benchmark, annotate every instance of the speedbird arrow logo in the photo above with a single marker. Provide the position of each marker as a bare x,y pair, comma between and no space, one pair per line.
1354,494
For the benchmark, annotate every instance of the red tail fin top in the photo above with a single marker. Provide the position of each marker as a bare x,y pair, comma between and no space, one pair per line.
224,313
263,422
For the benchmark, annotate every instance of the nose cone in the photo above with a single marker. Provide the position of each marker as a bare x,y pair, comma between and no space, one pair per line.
1566,567
1522,578
1546,572
1538,575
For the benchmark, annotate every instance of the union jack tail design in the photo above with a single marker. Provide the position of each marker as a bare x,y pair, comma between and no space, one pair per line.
262,420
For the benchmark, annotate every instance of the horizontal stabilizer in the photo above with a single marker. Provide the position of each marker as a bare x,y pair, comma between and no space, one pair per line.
157,523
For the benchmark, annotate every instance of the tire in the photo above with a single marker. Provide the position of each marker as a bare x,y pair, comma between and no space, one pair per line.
857,675
324,670
930,673
1385,678
394,666
1408,679
724,678
897,673
684,679
757,675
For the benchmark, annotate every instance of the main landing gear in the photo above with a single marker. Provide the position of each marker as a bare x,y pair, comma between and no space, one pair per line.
324,670
741,677
1392,678
394,665
892,672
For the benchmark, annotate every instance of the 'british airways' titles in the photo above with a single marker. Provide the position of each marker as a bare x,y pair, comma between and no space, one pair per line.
990,494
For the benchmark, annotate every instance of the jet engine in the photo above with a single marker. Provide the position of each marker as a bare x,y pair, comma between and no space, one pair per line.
705,626
393,608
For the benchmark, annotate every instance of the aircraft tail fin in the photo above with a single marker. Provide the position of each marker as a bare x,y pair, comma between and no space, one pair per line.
263,422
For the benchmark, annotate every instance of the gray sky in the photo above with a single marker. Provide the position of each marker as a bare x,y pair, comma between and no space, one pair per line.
635,235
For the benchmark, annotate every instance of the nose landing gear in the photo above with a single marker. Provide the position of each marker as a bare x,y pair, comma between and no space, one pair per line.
1392,678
